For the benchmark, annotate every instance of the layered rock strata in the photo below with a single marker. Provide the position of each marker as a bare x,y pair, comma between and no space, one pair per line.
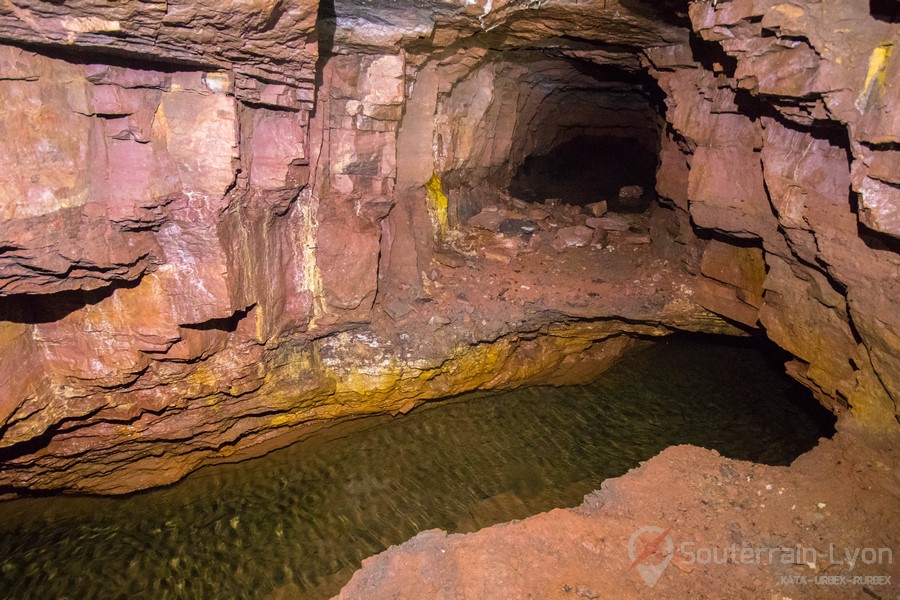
226,225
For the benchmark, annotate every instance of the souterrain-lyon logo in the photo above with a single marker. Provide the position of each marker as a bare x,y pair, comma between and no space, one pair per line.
650,550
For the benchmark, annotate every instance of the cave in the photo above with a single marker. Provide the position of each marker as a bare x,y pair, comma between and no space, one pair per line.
424,300
596,132
567,130
588,169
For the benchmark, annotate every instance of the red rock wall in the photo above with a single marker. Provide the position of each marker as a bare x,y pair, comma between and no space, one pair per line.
150,230
197,203
778,141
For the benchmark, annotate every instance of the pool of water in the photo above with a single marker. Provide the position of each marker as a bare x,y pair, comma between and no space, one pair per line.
297,522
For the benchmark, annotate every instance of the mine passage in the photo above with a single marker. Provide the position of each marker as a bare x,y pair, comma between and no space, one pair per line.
588,169
299,521
224,227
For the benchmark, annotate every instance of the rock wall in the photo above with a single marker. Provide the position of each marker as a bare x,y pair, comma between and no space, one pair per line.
779,141
220,226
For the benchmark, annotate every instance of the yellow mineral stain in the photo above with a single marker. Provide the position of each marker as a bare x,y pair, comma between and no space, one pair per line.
305,389
396,384
260,323
371,383
202,381
437,205
160,124
282,419
877,74
127,432
251,274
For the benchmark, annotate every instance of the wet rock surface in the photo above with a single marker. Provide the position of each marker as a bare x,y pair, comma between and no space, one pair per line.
298,522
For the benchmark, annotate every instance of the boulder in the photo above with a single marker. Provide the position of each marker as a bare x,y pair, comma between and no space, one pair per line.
597,209
489,218
572,237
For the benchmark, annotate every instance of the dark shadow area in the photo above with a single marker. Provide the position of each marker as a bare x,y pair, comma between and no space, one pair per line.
673,12
47,308
712,56
885,10
641,80
833,132
874,239
877,240
589,169
799,410
39,442
227,324
115,57
326,26
712,234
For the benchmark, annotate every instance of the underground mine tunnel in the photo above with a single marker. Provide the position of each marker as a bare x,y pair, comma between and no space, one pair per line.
588,169
570,131
595,133
428,299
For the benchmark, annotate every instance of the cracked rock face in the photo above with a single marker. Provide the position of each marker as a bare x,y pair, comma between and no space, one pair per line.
224,226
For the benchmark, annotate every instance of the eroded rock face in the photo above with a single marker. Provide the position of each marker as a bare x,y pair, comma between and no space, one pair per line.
269,45
778,150
223,226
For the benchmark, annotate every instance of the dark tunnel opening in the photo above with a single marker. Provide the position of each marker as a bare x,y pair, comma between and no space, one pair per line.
885,10
591,168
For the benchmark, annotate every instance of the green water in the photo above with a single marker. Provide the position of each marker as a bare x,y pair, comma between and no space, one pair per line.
297,522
